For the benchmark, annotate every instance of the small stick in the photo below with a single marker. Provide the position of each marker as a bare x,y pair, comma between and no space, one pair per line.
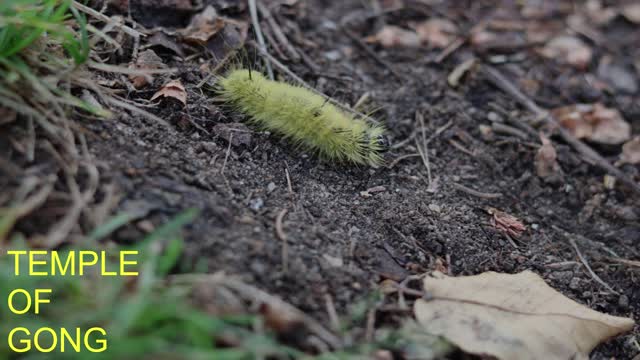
131,32
286,173
256,28
283,237
508,87
476,193
277,32
226,156
334,320
424,150
455,44
372,53
583,260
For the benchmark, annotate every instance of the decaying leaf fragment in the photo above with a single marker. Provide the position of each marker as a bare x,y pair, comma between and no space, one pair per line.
513,317
546,162
394,36
594,122
506,223
569,50
173,89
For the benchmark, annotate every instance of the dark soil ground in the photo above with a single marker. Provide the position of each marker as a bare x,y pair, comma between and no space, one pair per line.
342,239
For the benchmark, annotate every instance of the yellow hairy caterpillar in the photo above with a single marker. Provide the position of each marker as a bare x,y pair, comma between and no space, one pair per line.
304,118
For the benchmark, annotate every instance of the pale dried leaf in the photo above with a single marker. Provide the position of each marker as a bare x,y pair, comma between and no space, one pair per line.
594,122
173,89
631,151
394,36
437,33
631,12
546,160
203,26
568,50
513,317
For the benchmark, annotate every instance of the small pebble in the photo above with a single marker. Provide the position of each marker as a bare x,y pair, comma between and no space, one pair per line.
270,187
256,204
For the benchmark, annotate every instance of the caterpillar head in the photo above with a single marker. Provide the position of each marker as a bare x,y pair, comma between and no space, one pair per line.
377,143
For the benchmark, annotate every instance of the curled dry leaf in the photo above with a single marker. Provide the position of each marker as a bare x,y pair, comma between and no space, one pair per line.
546,163
568,50
513,317
594,122
173,89
437,33
147,60
394,36
631,152
506,223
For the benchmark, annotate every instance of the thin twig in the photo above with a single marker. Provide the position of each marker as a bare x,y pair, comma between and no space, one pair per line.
129,31
283,237
372,53
277,32
583,260
226,156
256,28
475,192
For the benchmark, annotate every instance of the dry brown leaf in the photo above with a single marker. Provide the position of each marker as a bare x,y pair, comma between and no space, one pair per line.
513,317
203,26
568,50
173,89
147,60
506,223
631,152
437,33
547,166
394,36
631,12
594,122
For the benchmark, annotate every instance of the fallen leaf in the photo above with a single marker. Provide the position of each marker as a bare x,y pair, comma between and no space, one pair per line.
513,317
165,41
631,152
594,122
173,89
437,33
203,26
506,223
631,12
147,60
546,163
568,50
394,36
